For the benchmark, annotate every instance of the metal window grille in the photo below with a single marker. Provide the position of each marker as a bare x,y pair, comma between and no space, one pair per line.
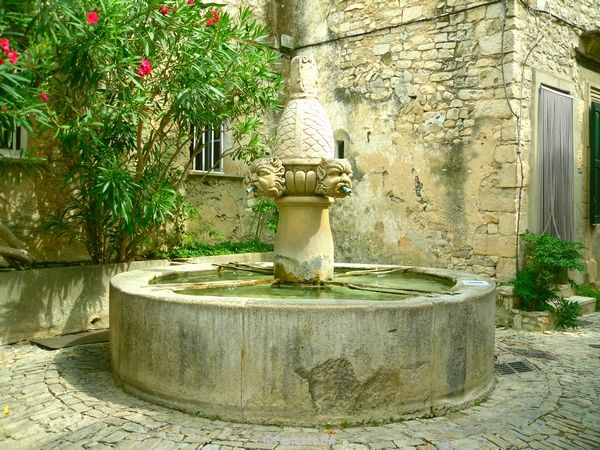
206,149
12,142
556,163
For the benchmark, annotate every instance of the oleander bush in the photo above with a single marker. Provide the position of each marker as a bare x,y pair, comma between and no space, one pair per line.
121,83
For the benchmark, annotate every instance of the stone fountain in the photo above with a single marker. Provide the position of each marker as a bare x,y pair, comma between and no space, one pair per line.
303,177
283,357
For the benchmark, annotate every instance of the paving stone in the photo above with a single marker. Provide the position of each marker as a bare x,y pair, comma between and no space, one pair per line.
559,406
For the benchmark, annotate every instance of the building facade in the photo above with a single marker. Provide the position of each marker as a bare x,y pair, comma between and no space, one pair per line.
448,113
466,124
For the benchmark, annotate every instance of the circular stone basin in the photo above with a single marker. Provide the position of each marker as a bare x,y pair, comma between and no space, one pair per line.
304,361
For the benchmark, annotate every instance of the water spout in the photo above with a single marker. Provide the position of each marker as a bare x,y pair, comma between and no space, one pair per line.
345,189
251,188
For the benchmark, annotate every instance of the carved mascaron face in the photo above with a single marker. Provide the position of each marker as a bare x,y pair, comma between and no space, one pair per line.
334,178
267,177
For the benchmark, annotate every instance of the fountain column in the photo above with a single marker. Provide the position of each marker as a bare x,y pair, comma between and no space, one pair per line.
303,243
303,177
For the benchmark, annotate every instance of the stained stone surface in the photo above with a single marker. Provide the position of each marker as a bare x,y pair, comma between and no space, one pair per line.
67,399
304,129
308,361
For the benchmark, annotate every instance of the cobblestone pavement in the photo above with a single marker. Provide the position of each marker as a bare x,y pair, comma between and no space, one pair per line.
67,399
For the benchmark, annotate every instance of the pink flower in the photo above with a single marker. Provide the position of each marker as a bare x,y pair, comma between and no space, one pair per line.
210,22
44,97
215,14
5,44
145,68
92,17
163,10
13,56
190,2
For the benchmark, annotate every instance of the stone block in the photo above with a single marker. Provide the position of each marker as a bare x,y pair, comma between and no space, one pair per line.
505,269
507,224
497,108
412,13
508,175
565,290
469,94
490,45
505,153
490,77
532,320
588,304
440,76
381,49
453,114
509,128
497,199
475,15
490,218
503,246
494,11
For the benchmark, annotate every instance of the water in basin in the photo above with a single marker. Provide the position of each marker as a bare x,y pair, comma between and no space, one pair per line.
382,286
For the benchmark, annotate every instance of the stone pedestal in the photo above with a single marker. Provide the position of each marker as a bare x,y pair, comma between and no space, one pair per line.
303,243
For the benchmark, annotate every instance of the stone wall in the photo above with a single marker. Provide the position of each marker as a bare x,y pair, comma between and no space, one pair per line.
545,54
224,207
415,92
28,203
425,96
419,93
41,303
30,195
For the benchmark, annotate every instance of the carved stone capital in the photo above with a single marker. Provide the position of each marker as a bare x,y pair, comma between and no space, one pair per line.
304,129
267,177
334,178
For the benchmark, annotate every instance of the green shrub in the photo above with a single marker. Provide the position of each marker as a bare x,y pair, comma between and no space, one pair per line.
566,312
123,81
266,213
191,249
547,260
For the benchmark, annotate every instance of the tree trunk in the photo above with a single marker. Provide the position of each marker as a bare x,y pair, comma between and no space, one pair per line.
15,253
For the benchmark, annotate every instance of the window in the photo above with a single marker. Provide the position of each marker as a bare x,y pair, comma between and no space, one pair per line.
339,149
206,149
11,144
556,163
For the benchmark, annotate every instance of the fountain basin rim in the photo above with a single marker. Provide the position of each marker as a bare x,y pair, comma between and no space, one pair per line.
466,286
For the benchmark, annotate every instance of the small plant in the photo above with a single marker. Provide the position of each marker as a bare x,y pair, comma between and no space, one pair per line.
266,214
192,249
345,424
566,312
547,260
374,422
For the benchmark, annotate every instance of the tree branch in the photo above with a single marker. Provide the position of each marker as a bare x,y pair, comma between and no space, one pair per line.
17,258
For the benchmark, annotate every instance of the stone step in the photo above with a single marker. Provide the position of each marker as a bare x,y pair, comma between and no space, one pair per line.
588,304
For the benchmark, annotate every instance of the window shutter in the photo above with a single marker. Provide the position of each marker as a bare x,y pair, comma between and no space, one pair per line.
595,163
